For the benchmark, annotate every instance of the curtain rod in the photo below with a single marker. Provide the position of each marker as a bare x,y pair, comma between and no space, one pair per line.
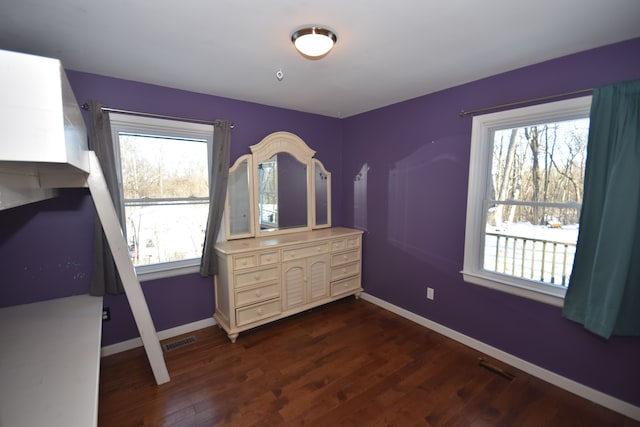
85,107
464,113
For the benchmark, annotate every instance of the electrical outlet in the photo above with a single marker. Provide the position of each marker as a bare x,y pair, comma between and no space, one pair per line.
106,314
430,294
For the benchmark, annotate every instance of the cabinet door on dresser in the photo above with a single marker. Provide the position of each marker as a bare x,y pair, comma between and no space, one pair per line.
293,283
305,280
318,277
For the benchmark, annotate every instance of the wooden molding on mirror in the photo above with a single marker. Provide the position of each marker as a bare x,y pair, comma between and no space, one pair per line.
279,188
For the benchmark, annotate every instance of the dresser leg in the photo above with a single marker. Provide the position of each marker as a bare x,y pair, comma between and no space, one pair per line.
233,337
357,295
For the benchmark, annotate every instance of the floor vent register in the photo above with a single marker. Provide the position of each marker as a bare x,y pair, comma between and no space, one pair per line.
179,343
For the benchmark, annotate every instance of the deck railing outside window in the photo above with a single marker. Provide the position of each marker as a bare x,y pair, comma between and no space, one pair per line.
542,260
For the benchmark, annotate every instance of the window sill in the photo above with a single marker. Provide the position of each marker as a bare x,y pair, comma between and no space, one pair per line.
163,271
553,297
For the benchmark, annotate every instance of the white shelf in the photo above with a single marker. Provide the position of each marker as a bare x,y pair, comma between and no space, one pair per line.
39,117
49,363
43,139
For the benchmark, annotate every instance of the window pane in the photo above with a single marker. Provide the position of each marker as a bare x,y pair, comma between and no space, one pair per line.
542,253
543,163
166,189
166,232
538,170
159,167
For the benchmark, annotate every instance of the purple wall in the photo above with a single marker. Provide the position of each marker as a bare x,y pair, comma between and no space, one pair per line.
417,191
45,247
43,240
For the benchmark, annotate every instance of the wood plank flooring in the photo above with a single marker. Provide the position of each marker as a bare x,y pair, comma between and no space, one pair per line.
349,363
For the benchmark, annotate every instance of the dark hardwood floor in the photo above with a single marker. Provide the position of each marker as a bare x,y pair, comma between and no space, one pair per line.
349,363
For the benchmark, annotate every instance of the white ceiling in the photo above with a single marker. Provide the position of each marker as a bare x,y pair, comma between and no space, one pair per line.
387,51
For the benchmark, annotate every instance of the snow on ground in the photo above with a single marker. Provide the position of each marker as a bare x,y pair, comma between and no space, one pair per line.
564,234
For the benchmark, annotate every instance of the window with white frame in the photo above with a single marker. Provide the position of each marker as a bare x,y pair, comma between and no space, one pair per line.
526,178
164,180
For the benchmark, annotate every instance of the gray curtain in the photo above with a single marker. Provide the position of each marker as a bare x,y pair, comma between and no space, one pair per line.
105,278
604,290
219,175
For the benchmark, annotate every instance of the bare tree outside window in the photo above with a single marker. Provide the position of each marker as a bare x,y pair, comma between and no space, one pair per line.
166,194
533,209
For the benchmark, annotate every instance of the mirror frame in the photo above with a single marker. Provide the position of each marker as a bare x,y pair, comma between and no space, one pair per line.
281,142
272,144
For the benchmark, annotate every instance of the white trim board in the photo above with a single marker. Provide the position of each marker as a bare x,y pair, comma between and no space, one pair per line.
567,384
162,335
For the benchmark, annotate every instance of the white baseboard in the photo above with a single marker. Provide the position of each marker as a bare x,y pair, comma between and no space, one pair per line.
574,387
162,335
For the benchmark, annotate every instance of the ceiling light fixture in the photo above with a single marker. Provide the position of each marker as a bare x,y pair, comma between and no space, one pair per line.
314,42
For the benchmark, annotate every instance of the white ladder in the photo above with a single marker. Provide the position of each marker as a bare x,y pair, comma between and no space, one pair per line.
133,290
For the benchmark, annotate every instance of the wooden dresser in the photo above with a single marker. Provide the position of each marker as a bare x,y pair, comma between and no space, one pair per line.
267,278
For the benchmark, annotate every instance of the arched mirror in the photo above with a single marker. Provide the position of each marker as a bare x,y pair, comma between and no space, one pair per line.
280,187
282,184
282,193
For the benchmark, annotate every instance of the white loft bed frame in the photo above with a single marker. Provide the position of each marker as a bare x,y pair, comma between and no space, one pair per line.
43,146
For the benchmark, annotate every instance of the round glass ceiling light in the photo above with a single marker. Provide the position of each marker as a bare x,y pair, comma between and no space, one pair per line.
314,42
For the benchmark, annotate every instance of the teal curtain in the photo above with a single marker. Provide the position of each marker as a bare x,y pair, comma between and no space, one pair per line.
604,290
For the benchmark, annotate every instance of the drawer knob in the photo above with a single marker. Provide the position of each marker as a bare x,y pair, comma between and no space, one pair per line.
257,277
258,293
244,262
319,249
345,257
259,312
344,270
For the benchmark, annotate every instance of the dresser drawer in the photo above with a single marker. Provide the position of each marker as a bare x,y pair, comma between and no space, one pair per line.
245,261
345,243
345,257
254,277
268,258
345,286
346,270
253,295
251,260
353,242
305,251
258,312
338,245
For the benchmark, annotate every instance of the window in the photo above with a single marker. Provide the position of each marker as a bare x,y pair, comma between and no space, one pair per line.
164,179
526,178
